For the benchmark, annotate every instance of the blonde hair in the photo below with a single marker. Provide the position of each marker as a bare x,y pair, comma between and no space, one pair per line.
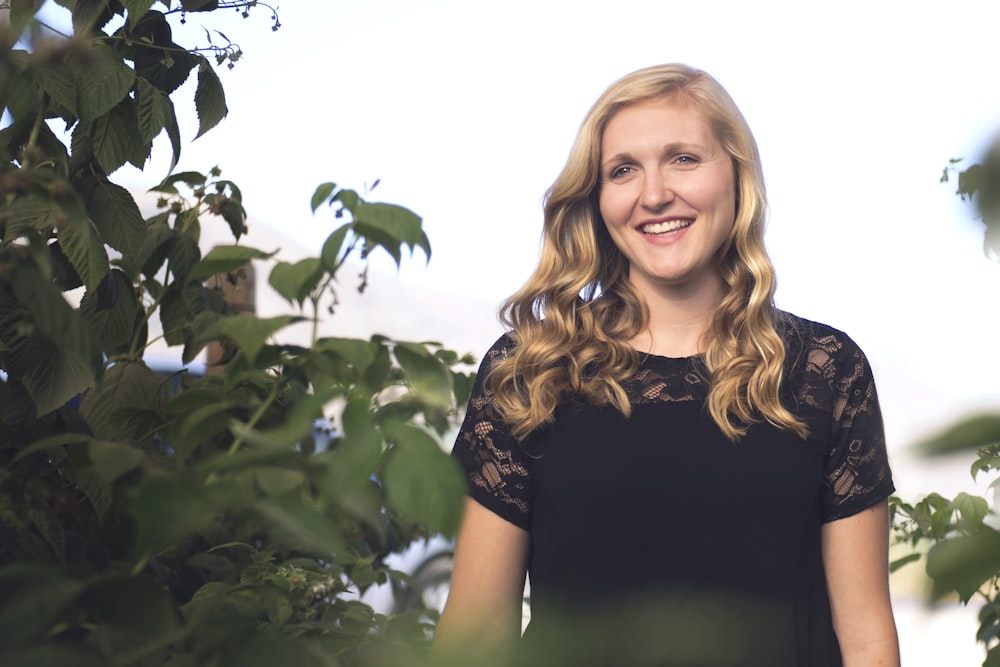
573,320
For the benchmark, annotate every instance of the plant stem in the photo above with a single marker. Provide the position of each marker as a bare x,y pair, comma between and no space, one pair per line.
255,418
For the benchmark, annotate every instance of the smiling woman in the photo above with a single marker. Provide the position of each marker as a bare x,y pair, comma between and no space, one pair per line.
667,196
648,387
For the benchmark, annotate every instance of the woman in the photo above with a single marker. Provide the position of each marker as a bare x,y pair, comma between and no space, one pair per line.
691,476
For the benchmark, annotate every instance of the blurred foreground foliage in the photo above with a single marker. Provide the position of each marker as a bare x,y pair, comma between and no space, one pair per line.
224,519
959,539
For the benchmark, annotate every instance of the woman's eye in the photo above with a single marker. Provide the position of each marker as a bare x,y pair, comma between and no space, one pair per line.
687,160
619,172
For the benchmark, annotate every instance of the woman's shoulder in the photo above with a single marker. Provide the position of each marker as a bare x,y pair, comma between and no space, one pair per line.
819,346
810,334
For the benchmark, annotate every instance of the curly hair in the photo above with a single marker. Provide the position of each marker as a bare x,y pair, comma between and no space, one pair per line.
573,320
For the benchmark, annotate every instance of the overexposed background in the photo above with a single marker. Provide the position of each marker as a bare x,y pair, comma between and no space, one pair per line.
466,111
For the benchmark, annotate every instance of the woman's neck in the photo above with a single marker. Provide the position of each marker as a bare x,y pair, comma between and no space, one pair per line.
679,320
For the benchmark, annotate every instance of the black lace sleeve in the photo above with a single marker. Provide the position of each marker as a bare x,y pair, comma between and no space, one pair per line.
497,468
857,473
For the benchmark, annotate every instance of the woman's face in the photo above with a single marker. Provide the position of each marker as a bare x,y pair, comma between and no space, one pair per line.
667,194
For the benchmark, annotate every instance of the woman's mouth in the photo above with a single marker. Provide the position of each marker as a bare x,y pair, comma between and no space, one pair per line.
665,227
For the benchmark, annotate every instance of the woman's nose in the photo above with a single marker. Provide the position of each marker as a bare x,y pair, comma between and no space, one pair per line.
656,191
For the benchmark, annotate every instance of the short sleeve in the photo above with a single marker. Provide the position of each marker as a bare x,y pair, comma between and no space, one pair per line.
497,468
857,473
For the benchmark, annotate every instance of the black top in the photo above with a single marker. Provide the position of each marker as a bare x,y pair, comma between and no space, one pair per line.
655,540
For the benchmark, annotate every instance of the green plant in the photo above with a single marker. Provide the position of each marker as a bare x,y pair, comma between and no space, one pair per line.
186,520
959,539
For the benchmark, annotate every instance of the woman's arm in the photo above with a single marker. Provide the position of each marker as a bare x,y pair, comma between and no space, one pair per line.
856,560
483,613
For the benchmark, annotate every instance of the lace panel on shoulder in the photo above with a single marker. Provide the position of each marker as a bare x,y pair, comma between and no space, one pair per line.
497,468
837,379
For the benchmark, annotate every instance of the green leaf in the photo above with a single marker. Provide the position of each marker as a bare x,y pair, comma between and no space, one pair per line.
72,354
973,509
200,425
115,214
223,259
428,378
112,460
52,443
423,483
98,492
296,281
153,252
138,607
331,248
33,599
298,526
964,563
278,481
192,179
173,132
209,98
360,354
150,107
102,82
136,9
111,311
58,83
250,333
397,223
968,434
182,254
84,248
116,138
297,425
168,511
905,560
125,402
322,193
27,213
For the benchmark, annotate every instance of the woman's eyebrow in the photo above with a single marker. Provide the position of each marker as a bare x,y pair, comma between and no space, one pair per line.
672,147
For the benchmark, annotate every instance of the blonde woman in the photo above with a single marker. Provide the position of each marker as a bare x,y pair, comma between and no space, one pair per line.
690,476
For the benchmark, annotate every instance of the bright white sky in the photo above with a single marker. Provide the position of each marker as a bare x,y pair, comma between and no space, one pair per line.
466,111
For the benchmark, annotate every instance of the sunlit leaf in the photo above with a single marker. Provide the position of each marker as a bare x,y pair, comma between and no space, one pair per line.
968,434
428,377
398,223
422,482
321,194
223,259
296,525
330,253
296,281
250,333
964,563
